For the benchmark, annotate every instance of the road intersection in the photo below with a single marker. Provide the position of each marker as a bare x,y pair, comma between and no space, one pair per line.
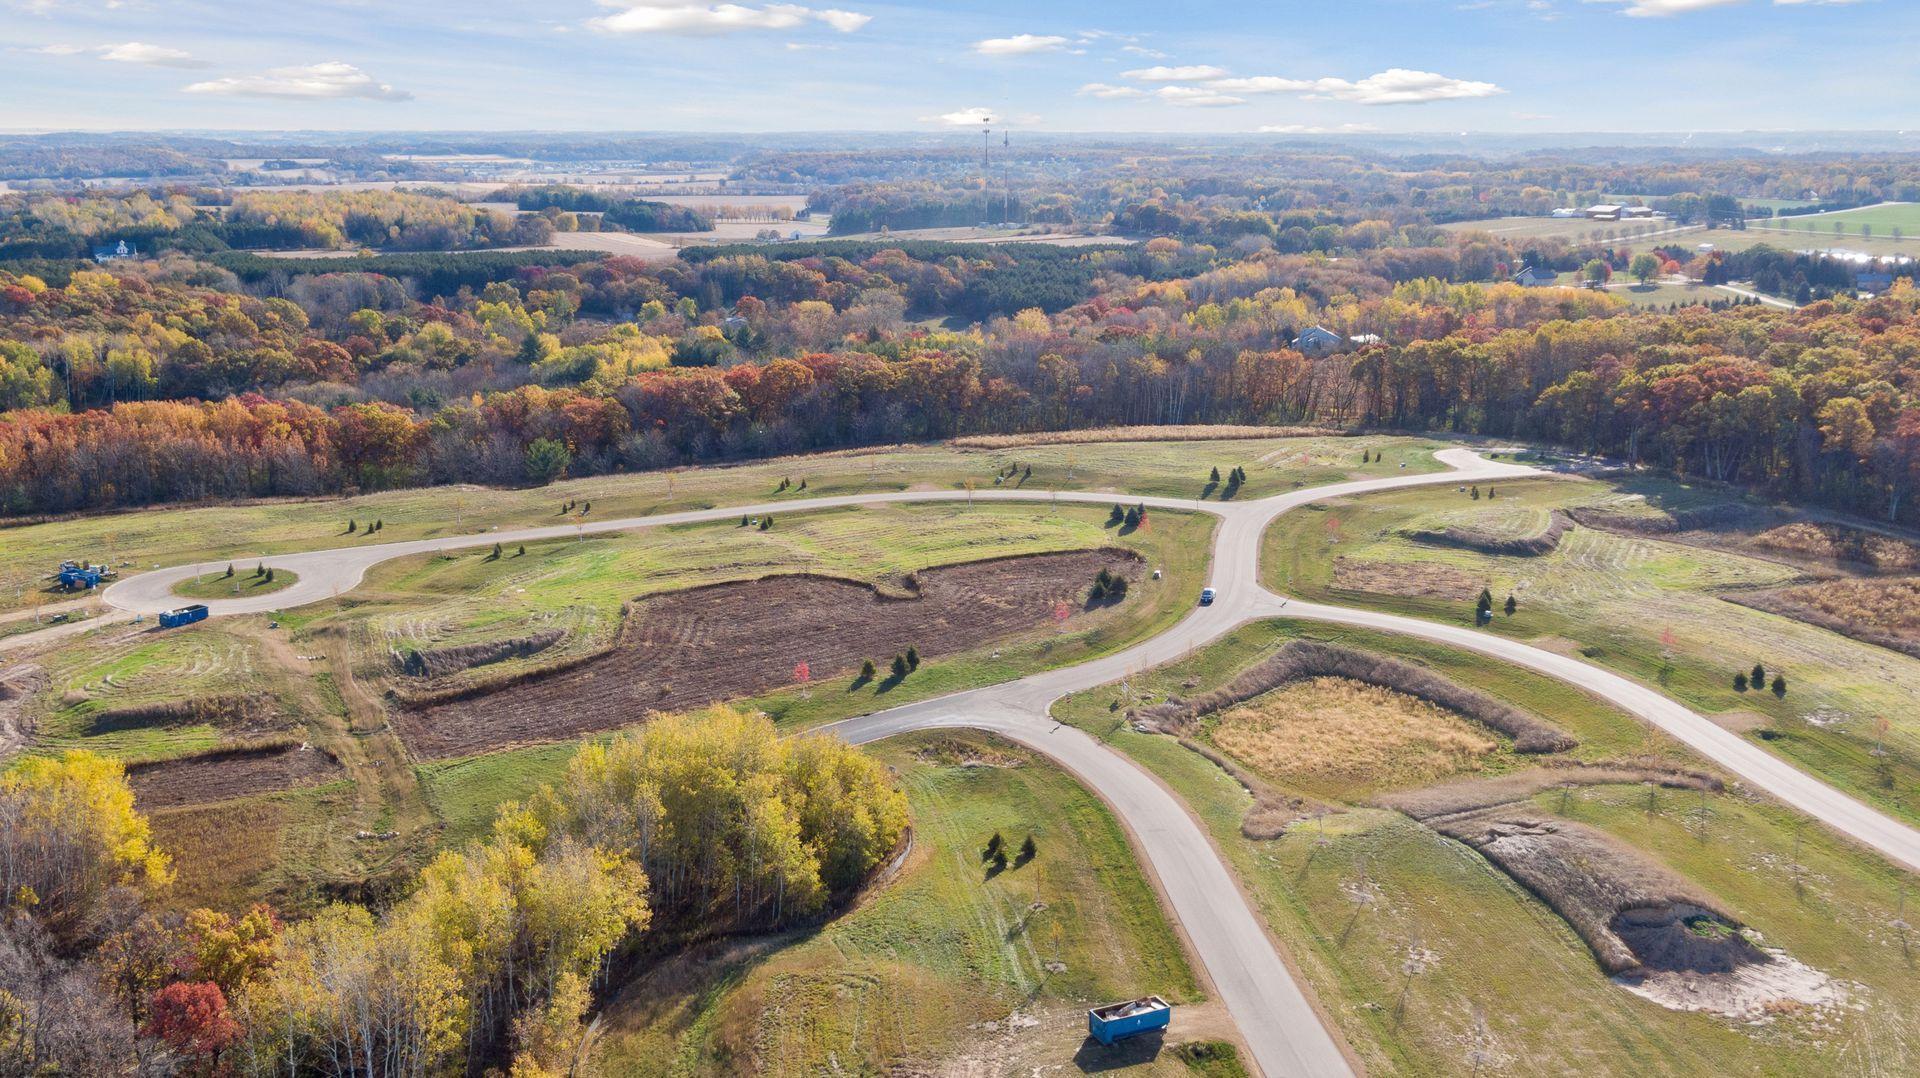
1285,1032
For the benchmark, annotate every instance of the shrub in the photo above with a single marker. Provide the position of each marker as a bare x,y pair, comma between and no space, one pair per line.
1739,683
497,553
899,667
229,568
1511,606
867,671
546,461
913,657
994,845
1759,675
1028,850
1780,685
1117,516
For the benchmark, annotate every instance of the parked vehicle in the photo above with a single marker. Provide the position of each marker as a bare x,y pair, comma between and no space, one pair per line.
186,615
1207,596
1116,1021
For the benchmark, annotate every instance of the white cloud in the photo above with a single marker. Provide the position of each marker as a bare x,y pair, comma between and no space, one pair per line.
332,79
671,17
1109,91
60,50
1262,84
1659,9
138,52
1189,73
978,116
1197,97
1144,52
1019,45
1399,86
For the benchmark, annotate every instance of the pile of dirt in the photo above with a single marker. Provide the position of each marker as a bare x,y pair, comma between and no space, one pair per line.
1299,659
1523,546
1400,578
1634,914
228,773
1881,611
233,711
440,662
1718,517
685,649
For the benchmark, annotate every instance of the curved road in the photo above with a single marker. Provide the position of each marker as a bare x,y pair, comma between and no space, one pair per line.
1285,1033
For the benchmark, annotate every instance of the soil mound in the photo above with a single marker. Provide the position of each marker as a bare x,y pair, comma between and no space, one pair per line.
1301,659
1523,546
440,662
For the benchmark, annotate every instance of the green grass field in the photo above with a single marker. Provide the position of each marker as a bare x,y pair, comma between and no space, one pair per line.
1880,221
246,532
1646,608
134,669
242,584
949,968
1571,229
1432,961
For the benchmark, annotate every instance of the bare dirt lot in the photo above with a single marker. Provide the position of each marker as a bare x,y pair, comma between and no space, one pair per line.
688,648
220,776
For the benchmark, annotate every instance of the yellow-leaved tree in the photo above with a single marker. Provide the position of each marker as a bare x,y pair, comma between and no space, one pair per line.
68,834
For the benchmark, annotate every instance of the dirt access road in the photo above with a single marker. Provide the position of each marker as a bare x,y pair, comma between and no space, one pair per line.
1282,1028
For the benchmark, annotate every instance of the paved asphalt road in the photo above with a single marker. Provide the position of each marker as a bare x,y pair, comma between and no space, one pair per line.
1281,1027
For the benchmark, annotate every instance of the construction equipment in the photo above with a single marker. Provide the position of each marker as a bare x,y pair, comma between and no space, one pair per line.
185,615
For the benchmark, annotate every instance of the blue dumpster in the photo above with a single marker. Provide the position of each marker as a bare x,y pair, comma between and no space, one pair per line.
1117,1020
186,615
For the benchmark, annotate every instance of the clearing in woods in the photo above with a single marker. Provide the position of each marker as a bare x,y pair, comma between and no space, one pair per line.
1395,926
953,966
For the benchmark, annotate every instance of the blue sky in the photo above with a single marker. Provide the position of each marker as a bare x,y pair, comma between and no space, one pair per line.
1202,65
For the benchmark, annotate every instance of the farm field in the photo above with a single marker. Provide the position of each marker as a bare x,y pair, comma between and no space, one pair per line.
950,967
1822,240
246,532
1431,960
1882,220
1645,607
1573,229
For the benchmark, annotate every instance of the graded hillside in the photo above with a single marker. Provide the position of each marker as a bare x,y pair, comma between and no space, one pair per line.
1659,581
1479,929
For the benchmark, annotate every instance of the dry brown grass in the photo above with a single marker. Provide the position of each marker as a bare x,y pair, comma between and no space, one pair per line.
1882,611
1187,433
1332,732
1421,581
1302,659
1836,542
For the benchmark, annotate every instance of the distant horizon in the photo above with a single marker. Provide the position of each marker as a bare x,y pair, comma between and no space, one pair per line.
1415,67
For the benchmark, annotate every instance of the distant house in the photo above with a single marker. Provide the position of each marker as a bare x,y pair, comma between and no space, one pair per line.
1565,213
1365,339
1604,212
1317,341
1636,213
115,252
1875,283
1532,277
